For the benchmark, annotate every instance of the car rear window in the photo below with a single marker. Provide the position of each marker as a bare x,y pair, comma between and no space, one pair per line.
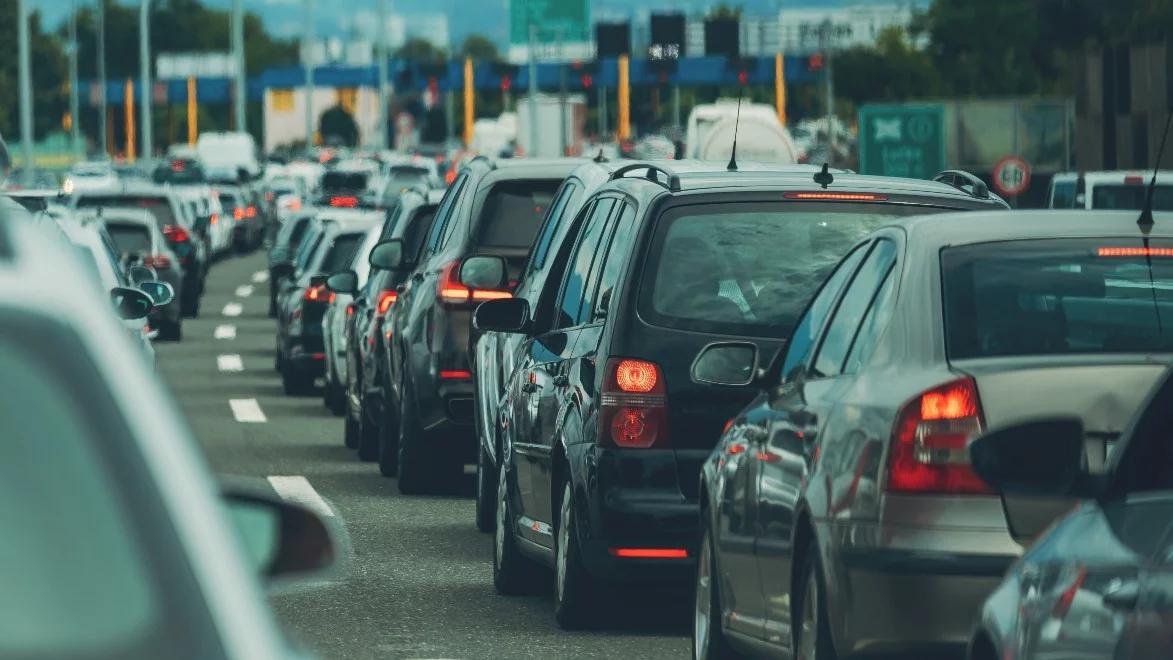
230,202
130,238
417,230
344,181
160,207
513,211
1053,297
749,268
341,253
1131,197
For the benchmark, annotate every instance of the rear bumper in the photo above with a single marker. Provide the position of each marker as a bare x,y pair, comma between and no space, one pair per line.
306,354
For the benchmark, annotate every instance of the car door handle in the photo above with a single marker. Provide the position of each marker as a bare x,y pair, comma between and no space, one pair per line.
561,381
1123,597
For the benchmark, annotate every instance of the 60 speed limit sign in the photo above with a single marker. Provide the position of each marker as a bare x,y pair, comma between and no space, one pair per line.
1011,176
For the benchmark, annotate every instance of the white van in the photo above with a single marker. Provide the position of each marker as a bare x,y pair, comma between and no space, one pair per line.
1117,189
229,152
760,136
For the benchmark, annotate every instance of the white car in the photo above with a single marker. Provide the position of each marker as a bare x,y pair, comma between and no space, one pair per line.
89,175
1115,190
334,326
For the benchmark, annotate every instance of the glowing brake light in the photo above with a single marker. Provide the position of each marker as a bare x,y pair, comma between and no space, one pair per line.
455,374
319,293
835,197
634,410
1134,252
157,261
215,218
344,201
650,553
453,292
238,213
1134,180
636,376
250,211
929,452
176,234
386,299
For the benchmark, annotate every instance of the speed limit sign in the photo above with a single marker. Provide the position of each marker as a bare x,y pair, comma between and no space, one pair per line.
1011,176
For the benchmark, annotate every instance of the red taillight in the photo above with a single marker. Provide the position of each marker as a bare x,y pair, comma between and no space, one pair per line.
929,453
350,309
250,212
835,197
345,201
449,176
176,234
650,553
295,205
238,213
215,218
1063,603
634,411
157,261
319,294
386,299
1134,180
1134,252
455,374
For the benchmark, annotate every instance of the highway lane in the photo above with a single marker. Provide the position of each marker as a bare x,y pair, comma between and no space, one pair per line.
417,582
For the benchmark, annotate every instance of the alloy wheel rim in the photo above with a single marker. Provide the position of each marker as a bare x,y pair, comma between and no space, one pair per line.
810,618
703,605
563,543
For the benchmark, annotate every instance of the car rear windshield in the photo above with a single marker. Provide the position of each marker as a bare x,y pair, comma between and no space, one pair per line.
513,211
159,206
748,268
341,253
229,202
344,181
1053,297
130,238
1131,197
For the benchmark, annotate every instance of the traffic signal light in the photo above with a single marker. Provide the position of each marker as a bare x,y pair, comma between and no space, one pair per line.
814,62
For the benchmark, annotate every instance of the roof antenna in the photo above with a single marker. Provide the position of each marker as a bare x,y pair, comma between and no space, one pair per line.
824,177
732,166
1145,221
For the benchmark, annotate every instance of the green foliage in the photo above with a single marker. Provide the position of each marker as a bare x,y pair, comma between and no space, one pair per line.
420,50
480,48
50,96
725,10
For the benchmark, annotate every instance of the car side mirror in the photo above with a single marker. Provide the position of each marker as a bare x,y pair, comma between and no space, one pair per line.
732,363
1043,457
345,281
130,304
138,274
484,272
504,315
161,293
280,539
389,255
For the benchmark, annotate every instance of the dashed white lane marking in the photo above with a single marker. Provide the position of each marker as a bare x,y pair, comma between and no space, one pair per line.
224,332
298,490
260,276
229,363
247,410
233,309
244,291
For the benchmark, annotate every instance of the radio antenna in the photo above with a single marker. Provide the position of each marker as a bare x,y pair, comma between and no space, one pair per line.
732,167
1145,221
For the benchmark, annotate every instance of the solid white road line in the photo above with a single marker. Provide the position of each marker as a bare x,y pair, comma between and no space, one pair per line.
298,490
247,410
224,332
244,291
233,309
261,276
229,363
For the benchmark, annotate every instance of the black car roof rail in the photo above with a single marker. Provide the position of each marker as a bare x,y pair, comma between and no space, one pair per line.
960,178
489,161
654,171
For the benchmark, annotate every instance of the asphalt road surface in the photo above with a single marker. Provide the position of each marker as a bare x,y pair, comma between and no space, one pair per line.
416,580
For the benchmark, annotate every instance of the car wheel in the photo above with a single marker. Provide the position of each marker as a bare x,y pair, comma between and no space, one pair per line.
170,330
335,398
388,448
812,631
708,638
368,438
296,384
514,574
415,470
577,598
350,435
486,492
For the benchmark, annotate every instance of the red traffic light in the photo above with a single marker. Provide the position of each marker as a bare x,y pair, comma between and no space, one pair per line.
506,83
814,62
742,77
587,80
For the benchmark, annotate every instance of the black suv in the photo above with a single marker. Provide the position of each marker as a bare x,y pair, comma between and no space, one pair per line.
491,209
603,430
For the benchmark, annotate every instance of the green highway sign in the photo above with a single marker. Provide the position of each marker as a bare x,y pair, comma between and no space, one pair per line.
902,140
556,20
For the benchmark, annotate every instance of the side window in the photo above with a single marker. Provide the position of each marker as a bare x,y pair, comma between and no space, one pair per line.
444,213
873,324
615,261
570,302
833,351
811,323
570,193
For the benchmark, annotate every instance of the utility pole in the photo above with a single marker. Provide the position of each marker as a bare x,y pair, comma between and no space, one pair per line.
829,82
381,53
238,54
533,89
602,113
307,53
561,96
26,87
144,63
103,110
74,119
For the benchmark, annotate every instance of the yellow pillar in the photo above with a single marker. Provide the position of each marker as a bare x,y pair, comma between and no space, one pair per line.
128,97
469,101
624,91
192,114
780,88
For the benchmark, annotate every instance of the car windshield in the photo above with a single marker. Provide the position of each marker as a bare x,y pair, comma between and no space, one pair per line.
130,238
344,181
1055,297
159,206
1131,197
748,268
513,211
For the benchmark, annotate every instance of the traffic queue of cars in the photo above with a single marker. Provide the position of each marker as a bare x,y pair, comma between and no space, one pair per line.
764,384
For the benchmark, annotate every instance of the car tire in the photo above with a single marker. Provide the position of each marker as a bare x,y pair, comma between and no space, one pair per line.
578,599
388,448
350,433
708,638
809,623
486,493
514,574
368,438
414,470
171,330
295,384
335,398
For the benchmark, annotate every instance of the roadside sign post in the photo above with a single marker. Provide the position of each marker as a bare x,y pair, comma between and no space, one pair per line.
902,140
1011,176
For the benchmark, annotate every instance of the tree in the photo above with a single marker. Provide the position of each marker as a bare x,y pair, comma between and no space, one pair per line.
420,50
479,48
336,125
724,10
47,55
892,70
